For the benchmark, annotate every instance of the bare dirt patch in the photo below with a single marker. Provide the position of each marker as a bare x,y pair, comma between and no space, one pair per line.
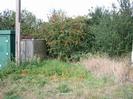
1,95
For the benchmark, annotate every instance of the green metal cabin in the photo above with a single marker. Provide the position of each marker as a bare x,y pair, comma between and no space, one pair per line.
7,46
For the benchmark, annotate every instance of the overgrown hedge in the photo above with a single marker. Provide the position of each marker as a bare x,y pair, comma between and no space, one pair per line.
66,37
103,30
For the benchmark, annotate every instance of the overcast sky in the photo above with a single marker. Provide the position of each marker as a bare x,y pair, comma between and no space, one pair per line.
41,8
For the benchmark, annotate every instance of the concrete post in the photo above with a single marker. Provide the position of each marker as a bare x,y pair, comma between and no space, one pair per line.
18,19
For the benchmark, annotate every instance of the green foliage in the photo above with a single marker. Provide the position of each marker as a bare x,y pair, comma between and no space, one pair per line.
30,24
58,68
7,70
64,88
105,31
11,95
47,68
112,29
7,19
65,36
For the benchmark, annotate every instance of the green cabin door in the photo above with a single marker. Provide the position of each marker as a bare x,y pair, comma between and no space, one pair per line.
4,50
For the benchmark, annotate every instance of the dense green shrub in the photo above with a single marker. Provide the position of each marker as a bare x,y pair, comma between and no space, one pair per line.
112,30
103,31
65,36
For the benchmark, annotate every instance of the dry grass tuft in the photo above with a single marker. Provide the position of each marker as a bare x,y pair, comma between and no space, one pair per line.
105,66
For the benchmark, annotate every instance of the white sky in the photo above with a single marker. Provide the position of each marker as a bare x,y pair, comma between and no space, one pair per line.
41,8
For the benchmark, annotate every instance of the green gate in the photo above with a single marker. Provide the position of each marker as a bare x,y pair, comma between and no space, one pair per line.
7,46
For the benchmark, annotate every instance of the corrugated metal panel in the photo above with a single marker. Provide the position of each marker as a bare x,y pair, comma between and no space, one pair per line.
31,48
39,48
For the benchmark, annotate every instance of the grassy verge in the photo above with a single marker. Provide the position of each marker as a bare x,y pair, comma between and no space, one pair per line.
53,79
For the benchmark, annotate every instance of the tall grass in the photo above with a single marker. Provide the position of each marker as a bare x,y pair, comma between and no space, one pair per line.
47,68
54,79
102,65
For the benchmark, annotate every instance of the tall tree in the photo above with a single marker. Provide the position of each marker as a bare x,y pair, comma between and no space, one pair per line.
7,19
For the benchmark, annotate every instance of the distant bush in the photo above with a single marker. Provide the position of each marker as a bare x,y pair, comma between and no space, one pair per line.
112,30
65,36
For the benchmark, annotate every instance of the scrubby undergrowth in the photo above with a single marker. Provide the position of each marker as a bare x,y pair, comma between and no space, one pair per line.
106,66
59,80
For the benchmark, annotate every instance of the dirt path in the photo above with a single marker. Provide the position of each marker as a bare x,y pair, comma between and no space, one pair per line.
1,96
